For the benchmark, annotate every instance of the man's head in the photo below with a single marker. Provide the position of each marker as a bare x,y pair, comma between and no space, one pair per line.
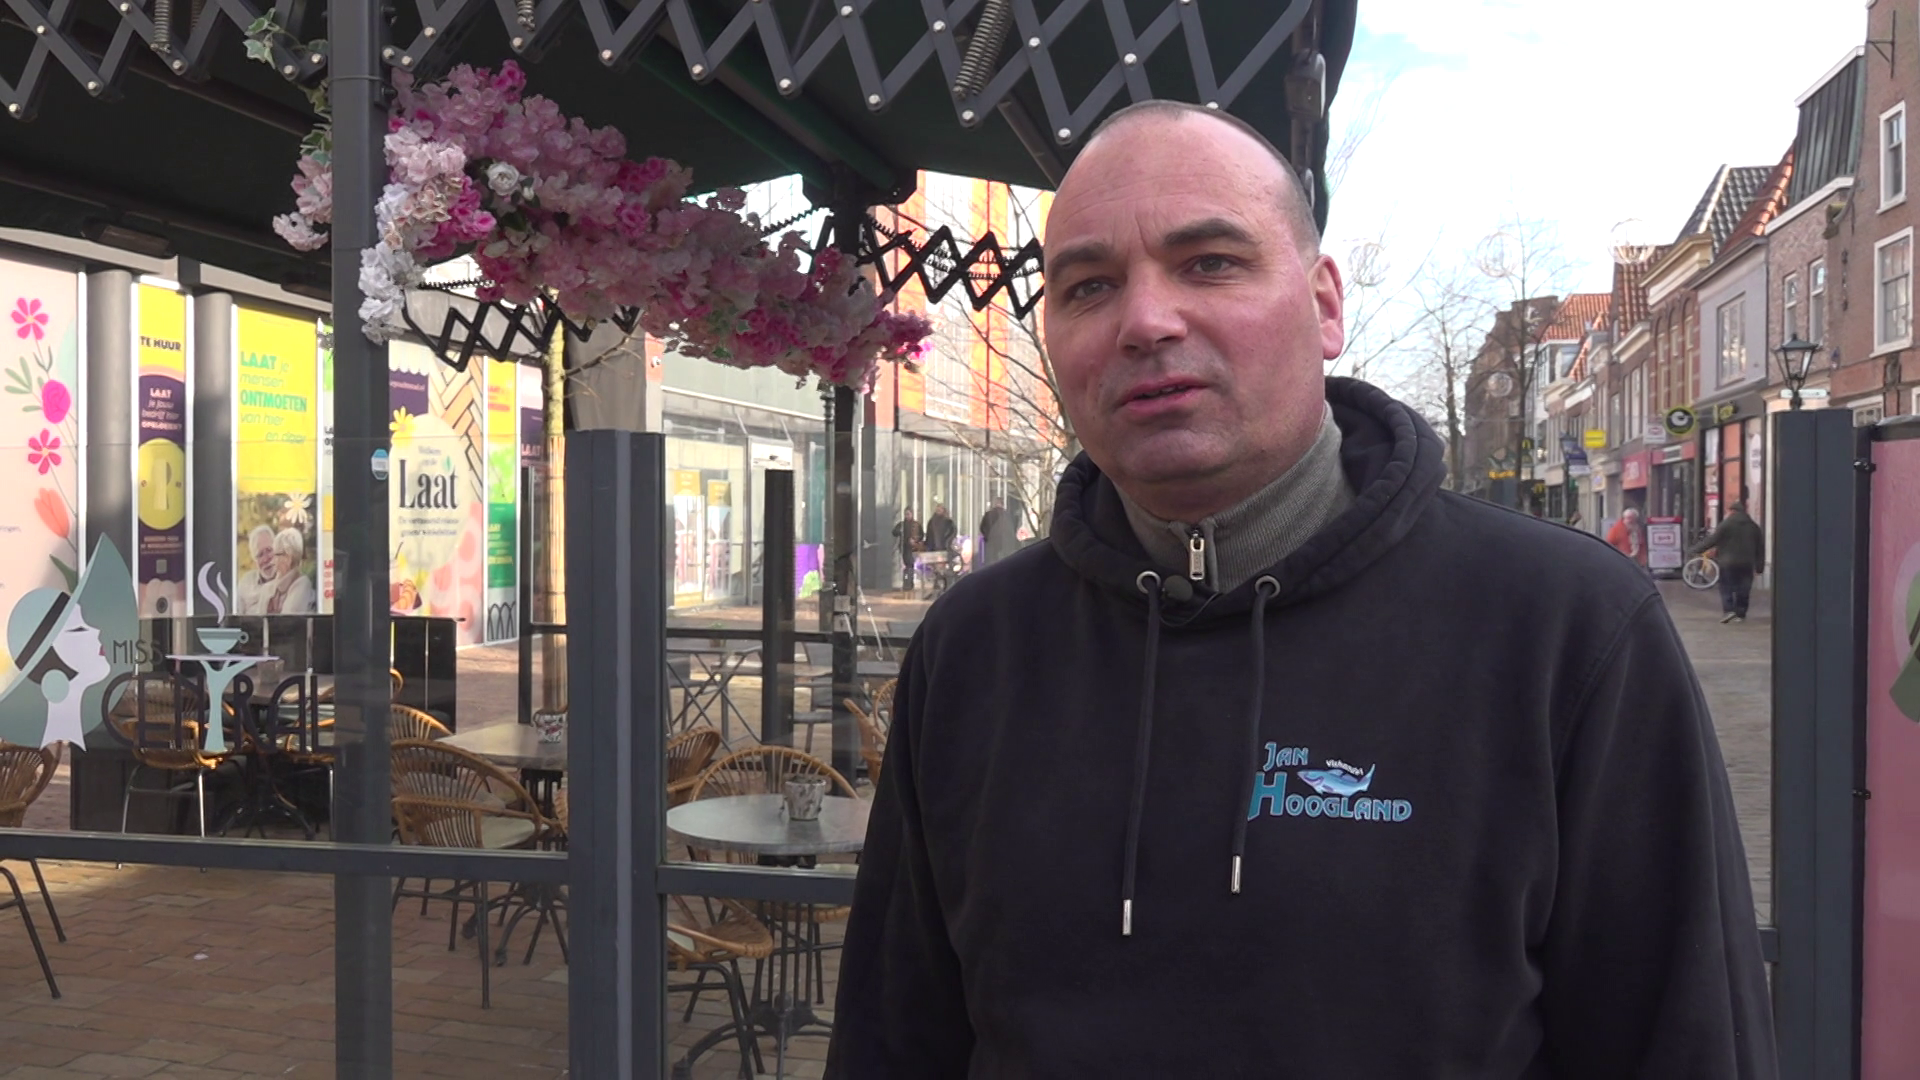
1630,515
1189,311
260,543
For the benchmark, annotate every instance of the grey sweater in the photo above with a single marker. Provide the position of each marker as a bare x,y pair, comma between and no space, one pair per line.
1245,539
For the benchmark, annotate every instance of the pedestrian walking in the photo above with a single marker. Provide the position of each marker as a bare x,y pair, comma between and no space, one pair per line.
1627,537
1276,759
1739,547
909,536
941,531
996,534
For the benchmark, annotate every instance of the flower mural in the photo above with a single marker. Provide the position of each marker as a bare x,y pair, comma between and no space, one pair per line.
52,511
43,450
552,208
29,318
39,370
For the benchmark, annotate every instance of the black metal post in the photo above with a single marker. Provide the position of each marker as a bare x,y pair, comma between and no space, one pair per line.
776,608
843,529
616,601
363,924
1818,759
111,438
523,595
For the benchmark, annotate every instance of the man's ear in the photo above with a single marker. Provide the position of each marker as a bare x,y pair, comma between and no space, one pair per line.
1329,304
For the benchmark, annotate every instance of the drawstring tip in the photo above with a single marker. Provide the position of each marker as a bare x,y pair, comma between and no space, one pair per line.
1236,875
1126,918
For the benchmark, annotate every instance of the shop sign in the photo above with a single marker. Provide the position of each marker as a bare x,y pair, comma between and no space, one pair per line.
1633,472
1595,439
1680,421
1725,411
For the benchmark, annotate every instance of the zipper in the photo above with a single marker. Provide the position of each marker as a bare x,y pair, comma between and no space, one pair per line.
1196,555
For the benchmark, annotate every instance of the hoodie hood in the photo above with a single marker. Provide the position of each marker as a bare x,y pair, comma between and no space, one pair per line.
1393,460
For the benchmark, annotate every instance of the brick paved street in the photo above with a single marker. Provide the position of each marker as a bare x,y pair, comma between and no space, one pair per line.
1735,665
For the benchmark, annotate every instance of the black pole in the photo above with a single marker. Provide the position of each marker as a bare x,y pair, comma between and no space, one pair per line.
776,608
843,539
363,924
1818,757
617,599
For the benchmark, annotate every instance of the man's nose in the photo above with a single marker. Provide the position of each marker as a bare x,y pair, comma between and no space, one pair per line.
1150,315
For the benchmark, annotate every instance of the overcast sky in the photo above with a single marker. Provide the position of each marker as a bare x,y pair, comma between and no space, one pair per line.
1583,115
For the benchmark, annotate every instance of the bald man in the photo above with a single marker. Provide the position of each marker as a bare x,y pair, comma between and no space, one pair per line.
1277,760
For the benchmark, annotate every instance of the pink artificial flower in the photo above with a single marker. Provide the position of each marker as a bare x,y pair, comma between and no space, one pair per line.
55,401
43,450
29,319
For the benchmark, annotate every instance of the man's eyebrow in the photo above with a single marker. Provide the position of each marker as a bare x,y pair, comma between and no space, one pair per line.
1057,263
1207,230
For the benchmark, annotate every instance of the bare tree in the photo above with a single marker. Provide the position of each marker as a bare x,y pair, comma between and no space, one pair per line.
1524,271
1453,318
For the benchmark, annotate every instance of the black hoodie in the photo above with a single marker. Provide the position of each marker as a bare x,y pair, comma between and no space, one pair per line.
1487,832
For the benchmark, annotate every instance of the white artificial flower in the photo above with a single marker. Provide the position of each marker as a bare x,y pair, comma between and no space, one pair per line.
503,178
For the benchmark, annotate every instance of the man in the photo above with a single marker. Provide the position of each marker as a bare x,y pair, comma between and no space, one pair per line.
1276,760
1739,546
941,531
908,532
1625,536
996,534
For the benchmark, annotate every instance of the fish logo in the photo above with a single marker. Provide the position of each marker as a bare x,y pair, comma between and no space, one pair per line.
1337,782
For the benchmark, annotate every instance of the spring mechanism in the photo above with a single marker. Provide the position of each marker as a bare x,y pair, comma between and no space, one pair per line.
983,51
523,11
162,26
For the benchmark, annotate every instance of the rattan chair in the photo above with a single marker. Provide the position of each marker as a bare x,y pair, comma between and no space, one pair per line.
407,722
714,942
688,755
24,773
873,739
446,797
163,720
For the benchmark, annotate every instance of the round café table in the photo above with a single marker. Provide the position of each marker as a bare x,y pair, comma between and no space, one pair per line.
758,825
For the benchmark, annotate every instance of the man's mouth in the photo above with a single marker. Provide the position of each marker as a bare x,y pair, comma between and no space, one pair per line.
1161,392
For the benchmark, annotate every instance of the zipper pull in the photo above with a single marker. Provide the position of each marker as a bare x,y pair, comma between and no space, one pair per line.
1196,555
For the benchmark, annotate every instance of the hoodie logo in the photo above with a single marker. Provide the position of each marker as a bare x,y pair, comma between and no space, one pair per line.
1337,791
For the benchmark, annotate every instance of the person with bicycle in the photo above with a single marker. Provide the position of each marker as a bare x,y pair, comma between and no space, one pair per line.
1739,546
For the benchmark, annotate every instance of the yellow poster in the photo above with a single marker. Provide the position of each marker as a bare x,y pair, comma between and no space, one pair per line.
276,475
160,420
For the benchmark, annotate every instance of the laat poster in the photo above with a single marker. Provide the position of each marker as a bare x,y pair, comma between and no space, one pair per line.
325,559
276,454
40,502
437,480
160,462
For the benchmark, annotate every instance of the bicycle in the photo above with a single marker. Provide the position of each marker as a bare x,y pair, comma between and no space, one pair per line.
1700,572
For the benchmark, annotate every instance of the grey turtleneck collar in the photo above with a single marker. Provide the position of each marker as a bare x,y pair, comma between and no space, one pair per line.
1243,540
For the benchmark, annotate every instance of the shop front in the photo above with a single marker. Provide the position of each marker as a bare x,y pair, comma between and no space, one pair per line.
1733,454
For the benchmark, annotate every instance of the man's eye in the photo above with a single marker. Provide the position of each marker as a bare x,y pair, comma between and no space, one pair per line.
1212,264
1082,290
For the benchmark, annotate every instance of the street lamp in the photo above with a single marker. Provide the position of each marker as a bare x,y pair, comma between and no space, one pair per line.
1796,363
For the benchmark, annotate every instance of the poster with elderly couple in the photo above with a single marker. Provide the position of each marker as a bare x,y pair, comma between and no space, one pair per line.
276,470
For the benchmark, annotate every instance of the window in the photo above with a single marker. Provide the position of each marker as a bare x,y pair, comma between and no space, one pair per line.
1868,414
1790,308
1617,432
1817,301
1893,291
1893,156
1732,340
1637,403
